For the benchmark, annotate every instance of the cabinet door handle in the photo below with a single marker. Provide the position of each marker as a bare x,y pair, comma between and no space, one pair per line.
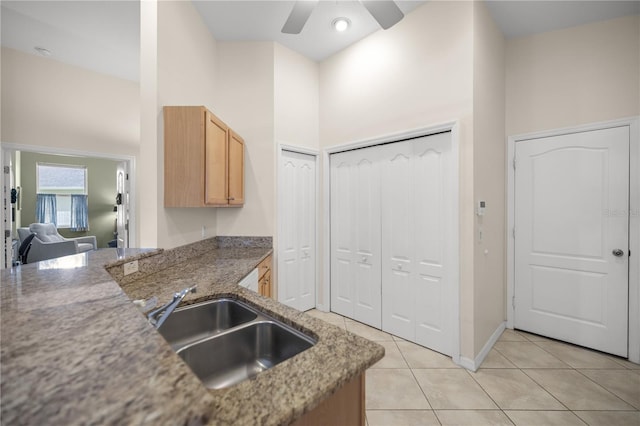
231,199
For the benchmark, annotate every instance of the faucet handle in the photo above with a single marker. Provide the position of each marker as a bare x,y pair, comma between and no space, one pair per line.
189,290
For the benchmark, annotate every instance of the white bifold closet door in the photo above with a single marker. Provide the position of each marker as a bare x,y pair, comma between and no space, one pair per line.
355,235
297,237
415,215
391,209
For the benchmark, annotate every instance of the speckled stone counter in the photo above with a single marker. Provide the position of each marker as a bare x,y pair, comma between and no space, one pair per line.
75,350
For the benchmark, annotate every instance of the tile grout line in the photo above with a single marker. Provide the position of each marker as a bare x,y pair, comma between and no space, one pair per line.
571,367
531,378
568,367
418,383
605,389
489,395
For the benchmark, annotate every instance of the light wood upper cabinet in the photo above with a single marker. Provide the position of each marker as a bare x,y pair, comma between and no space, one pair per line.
203,160
236,169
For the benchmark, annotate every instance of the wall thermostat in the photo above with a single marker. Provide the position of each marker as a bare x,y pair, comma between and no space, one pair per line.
480,209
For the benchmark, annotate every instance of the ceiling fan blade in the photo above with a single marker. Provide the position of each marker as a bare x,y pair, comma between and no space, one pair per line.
386,12
298,17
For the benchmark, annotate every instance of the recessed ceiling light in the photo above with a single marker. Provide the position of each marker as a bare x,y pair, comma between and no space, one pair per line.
340,24
42,51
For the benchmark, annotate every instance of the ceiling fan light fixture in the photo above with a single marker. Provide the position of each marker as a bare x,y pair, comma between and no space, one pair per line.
341,24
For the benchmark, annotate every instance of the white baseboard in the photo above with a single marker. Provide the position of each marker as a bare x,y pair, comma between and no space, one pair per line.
474,364
322,307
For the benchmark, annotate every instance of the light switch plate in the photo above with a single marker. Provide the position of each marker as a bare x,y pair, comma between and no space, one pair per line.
130,267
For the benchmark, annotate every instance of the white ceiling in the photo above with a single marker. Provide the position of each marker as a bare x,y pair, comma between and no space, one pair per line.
263,20
518,18
104,35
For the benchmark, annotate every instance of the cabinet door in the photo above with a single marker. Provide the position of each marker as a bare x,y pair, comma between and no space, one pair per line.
184,156
236,169
265,285
216,161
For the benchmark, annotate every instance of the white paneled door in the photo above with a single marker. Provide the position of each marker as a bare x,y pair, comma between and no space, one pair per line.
297,236
415,214
355,235
122,204
572,238
391,220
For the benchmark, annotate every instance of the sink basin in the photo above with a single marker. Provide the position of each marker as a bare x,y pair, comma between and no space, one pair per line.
196,322
232,357
226,341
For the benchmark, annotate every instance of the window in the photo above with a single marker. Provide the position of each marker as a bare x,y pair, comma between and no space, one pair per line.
62,195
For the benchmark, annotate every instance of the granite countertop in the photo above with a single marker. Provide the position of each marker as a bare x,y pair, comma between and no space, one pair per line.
75,349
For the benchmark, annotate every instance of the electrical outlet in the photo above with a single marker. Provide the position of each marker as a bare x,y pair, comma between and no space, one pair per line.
131,267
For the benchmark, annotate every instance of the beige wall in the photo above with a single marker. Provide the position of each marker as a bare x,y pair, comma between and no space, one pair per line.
296,98
296,117
186,70
414,74
101,182
49,103
245,79
488,175
148,171
573,76
418,73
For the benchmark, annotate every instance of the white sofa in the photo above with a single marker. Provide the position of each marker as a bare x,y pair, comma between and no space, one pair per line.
49,244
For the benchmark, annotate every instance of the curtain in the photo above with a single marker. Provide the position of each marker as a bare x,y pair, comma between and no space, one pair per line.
46,208
79,213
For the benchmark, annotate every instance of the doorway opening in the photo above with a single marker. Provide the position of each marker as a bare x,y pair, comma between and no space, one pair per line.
109,189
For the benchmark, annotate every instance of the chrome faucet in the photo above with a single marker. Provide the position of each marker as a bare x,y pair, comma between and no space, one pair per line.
164,311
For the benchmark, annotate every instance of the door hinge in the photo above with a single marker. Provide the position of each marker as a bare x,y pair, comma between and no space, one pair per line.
513,301
514,163
127,176
7,233
513,232
7,170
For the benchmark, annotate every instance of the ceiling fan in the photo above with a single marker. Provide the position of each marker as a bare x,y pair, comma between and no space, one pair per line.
386,12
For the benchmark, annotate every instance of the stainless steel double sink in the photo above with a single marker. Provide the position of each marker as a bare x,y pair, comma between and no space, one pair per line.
226,341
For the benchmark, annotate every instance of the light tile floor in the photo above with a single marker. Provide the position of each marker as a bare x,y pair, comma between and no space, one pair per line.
525,380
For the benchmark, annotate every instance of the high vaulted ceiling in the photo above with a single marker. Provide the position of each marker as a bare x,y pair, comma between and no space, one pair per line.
104,35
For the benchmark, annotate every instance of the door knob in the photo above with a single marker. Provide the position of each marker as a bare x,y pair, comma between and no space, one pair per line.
617,252
399,265
364,259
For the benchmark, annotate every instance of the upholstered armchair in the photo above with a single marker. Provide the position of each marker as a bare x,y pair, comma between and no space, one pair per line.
49,244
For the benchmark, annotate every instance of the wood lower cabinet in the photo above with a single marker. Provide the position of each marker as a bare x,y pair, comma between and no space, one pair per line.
203,160
344,408
264,277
